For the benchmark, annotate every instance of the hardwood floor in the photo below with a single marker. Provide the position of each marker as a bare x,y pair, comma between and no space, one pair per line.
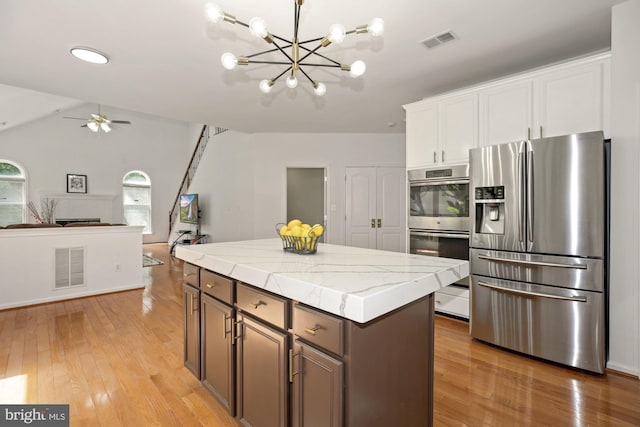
117,360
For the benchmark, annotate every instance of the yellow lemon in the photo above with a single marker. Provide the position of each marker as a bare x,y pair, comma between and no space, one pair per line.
296,231
316,230
283,230
294,223
305,226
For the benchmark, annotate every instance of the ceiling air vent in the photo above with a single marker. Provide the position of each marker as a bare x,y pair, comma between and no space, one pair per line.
438,39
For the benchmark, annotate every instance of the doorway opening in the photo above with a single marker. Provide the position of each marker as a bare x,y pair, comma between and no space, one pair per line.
307,195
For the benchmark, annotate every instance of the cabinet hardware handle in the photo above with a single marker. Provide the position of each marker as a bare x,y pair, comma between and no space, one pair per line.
237,336
312,331
257,304
373,223
193,304
225,332
210,285
442,156
188,274
435,159
291,373
379,222
528,133
540,131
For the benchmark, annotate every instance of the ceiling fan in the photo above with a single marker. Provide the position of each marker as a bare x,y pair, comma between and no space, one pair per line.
99,122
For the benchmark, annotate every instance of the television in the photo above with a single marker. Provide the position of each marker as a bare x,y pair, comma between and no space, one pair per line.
189,208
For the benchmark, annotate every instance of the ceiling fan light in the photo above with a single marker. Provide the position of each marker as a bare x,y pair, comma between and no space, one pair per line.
89,55
258,27
357,69
376,27
93,126
229,61
319,89
266,86
105,127
337,33
292,82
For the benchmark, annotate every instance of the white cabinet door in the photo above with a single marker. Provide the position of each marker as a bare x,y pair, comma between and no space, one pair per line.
458,128
422,134
361,207
570,100
391,209
506,113
376,208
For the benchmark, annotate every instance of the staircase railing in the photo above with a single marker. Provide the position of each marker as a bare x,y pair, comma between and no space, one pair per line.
203,139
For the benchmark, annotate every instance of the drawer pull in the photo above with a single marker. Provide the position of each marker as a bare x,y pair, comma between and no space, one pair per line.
188,274
312,331
238,326
257,304
291,372
210,285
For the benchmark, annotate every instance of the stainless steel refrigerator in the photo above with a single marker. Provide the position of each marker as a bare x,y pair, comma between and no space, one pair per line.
539,247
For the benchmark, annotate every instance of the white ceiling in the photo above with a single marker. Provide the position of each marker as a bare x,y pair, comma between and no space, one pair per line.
165,60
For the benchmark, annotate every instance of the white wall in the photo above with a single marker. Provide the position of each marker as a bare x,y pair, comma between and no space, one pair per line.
624,306
242,177
52,147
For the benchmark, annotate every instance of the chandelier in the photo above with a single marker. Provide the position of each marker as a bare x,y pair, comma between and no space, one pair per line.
292,60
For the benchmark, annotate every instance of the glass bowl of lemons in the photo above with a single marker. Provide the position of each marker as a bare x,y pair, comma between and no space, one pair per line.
299,237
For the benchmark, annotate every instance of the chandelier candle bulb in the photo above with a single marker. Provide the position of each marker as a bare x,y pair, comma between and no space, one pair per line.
319,89
292,82
357,69
266,86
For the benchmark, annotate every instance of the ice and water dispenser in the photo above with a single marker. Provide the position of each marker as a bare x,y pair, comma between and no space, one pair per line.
489,205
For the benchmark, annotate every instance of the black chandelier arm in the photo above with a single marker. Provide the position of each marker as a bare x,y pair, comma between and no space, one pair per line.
310,52
266,51
307,76
311,40
281,74
320,55
321,65
270,62
283,52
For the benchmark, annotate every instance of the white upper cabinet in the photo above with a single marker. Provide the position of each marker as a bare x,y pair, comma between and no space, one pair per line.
561,99
422,134
506,113
571,100
458,127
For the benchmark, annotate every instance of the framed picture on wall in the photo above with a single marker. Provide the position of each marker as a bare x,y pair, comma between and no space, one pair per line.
76,183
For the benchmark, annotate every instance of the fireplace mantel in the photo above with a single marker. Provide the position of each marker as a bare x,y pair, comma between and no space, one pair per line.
73,196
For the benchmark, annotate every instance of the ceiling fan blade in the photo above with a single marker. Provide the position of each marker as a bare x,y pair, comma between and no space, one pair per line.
122,122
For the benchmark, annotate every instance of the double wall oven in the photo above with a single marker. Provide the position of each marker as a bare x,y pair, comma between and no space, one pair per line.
439,213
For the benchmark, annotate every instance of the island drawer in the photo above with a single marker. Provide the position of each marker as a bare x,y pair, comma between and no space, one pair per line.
191,274
263,305
318,328
217,286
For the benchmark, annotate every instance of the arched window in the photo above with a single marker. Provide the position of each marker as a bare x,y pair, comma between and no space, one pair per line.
13,189
136,199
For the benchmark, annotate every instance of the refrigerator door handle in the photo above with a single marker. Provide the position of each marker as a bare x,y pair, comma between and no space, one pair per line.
520,173
530,190
531,294
532,263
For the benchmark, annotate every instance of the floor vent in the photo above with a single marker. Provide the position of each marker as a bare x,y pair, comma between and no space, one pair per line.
69,267
438,39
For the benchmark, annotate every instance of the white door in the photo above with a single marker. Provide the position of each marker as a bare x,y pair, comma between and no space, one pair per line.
376,208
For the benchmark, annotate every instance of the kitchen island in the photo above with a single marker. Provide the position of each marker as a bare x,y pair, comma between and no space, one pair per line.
341,337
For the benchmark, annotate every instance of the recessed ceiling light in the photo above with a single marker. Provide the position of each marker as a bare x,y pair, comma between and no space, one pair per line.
89,55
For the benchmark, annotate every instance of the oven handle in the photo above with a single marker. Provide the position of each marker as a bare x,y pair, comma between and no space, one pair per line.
531,294
430,234
434,182
533,263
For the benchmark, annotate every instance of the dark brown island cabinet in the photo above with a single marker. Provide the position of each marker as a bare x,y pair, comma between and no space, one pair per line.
273,362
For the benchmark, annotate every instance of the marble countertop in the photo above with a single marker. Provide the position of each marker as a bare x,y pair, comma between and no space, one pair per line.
354,283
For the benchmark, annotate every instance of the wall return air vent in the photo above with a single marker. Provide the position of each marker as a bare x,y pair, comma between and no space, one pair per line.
69,267
438,39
